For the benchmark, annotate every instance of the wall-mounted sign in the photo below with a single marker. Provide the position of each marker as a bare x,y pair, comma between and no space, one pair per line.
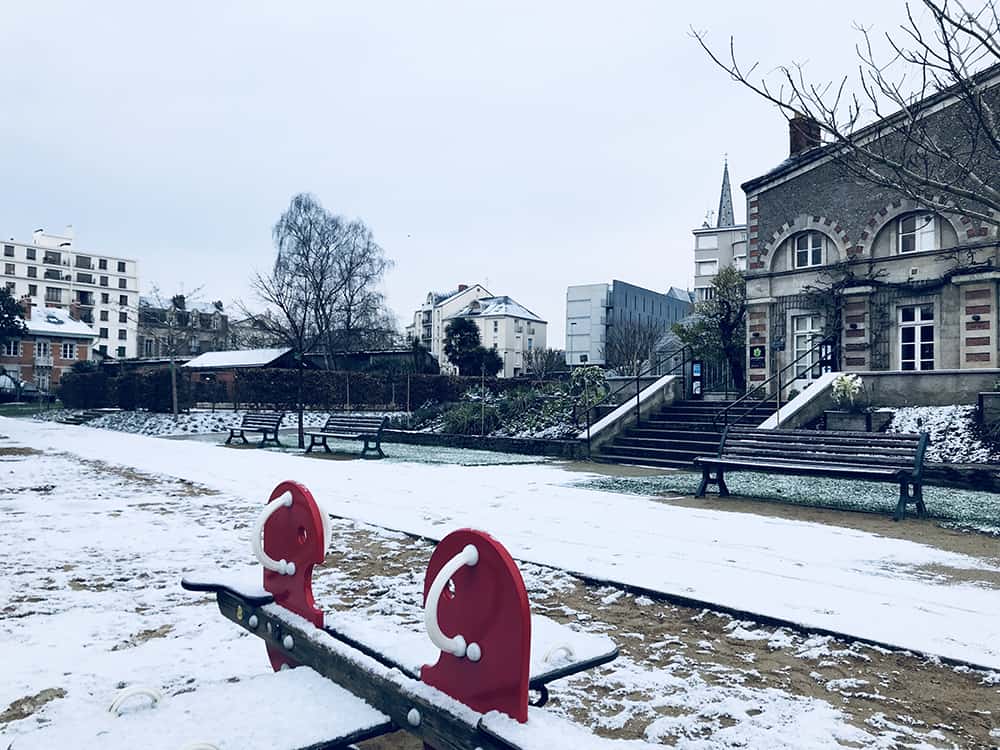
758,357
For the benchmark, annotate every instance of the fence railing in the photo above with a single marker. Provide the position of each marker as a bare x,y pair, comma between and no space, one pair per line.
757,396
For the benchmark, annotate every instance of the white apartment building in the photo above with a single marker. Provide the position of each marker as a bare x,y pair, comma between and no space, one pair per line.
53,273
430,319
510,329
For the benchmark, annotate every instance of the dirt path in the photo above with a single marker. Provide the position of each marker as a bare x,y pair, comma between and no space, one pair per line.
693,674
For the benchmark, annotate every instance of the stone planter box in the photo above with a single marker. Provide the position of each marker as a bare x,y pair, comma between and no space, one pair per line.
989,408
848,421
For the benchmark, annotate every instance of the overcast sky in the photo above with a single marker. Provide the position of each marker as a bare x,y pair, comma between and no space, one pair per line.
523,145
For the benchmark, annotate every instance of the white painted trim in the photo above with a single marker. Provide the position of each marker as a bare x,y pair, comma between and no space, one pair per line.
623,409
819,386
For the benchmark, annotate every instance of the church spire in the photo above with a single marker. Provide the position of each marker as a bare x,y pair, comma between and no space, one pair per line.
726,218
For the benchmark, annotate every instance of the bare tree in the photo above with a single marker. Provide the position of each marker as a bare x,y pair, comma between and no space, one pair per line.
164,319
945,164
360,314
291,293
631,343
543,362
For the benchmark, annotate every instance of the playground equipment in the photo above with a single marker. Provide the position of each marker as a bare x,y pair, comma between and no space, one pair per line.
464,684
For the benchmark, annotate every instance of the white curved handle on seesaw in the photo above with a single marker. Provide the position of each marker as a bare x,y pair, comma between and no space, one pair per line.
126,693
456,644
282,567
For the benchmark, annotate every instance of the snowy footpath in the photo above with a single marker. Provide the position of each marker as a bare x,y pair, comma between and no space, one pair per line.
886,590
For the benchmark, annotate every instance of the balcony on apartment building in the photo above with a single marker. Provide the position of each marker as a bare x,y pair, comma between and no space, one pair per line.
53,259
85,278
52,274
43,360
84,263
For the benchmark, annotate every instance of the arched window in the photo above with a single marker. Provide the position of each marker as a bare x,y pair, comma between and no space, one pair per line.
808,249
916,232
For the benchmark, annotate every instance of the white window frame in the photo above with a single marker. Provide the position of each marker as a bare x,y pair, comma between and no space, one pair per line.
814,250
924,235
707,242
13,348
712,264
802,341
68,346
922,321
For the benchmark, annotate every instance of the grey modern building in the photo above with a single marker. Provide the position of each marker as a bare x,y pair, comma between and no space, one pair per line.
592,308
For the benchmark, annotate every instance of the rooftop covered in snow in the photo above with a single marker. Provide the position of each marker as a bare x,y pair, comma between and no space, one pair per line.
52,321
243,358
496,307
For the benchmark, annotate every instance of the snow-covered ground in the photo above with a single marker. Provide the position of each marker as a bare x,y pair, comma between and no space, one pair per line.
90,603
840,579
953,437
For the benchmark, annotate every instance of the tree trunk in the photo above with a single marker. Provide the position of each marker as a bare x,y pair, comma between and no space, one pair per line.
173,384
299,405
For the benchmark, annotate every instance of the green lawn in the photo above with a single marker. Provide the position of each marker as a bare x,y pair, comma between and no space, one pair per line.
24,410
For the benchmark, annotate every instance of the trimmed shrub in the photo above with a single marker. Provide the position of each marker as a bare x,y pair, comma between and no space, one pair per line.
85,390
468,419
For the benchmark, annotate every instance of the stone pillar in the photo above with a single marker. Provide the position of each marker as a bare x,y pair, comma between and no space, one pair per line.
855,354
758,337
979,324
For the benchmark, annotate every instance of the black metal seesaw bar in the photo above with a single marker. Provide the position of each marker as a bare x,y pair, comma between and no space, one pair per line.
438,719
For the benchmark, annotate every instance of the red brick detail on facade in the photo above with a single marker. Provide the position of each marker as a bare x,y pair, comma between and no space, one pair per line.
978,293
977,357
883,211
854,334
757,377
758,328
977,341
966,220
758,315
872,222
855,318
977,309
856,361
855,347
977,325
856,250
753,240
977,232
756,266
864,236
838,229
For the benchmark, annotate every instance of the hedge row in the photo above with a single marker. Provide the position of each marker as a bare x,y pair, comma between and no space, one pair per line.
269,389
324,389
133,390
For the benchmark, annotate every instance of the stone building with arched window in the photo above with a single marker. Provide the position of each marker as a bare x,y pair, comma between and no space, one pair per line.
892,284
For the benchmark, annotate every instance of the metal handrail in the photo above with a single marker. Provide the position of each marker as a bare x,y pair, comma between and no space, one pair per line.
724,414
685,359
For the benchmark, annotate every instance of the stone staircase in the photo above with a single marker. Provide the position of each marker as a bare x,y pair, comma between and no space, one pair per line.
80,417
673,436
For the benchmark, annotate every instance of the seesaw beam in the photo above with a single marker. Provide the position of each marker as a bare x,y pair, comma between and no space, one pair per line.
441,721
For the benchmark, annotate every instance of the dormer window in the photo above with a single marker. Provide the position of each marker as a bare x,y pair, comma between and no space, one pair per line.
917,232
808,248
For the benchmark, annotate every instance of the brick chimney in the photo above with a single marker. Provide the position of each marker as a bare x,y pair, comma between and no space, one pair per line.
74,310
26,305
462,287
803,134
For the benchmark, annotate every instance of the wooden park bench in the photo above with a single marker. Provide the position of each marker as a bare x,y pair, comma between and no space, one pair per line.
874,456
266,423
349,427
